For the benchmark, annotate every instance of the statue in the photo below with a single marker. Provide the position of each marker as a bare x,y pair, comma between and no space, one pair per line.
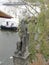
24,38
21,57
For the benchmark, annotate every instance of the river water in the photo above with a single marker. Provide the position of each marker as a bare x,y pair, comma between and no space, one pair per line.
7,46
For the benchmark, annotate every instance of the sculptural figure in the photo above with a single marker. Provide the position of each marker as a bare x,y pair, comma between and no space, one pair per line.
24,38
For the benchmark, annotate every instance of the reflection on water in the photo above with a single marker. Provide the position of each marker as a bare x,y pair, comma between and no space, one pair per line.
7,44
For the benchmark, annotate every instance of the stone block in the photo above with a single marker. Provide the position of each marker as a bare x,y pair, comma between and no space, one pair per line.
21,60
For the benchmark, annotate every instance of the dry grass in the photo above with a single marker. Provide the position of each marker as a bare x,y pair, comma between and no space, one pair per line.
40,60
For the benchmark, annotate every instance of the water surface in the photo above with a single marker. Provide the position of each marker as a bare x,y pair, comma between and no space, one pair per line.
7,45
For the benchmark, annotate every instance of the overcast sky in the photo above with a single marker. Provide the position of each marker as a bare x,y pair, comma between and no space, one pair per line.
3,1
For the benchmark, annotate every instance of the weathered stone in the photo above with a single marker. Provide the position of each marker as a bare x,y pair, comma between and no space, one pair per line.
21,57
19,60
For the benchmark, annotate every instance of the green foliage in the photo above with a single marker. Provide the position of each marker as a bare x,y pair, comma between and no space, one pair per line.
39,26
41,21
35,1
42,28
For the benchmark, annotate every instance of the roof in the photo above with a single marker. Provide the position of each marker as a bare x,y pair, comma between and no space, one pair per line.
4,15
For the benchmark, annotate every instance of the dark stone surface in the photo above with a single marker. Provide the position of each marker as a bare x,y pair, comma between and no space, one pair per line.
21,56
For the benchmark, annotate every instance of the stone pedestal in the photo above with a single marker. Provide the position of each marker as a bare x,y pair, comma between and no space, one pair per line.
21,56
21,60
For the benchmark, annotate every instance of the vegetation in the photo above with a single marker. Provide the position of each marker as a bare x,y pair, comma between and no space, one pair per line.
39,32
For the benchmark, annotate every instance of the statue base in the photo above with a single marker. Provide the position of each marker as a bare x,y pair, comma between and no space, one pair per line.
21,60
